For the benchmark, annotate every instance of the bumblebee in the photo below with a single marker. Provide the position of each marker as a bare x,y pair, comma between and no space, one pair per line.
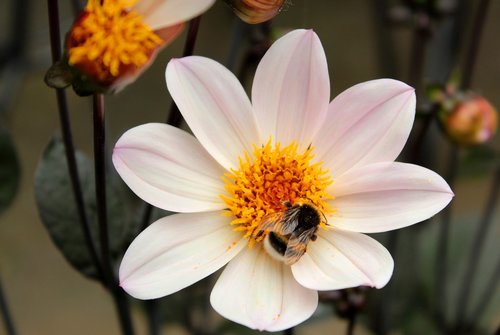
290,230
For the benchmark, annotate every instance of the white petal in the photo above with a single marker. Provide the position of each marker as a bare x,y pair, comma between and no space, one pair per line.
385,196
261,293
340,259
215,106
291,89
169,169
161,13
177,251
367,123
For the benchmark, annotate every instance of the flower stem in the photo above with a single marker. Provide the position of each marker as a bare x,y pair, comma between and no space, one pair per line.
421,35
442,244
4,311
100,184
386,55
384,307
174,117
351,323
475,39
487,295
119,297
477,250
153,314
67,136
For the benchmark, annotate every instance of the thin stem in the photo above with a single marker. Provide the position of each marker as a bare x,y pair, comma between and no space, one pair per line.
16,44
442,246
240,31
67,136
477,250
174,117
153,314
384,40
471,56
421,35
487,295
100,185
351,323
384,308
4,311
119,297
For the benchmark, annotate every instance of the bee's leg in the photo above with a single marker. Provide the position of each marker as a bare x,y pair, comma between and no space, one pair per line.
314,237
286,203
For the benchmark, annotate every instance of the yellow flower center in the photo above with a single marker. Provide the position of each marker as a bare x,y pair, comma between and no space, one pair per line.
109,39
275,175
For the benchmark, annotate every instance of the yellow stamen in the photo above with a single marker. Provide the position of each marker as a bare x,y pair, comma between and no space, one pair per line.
108,39
274,175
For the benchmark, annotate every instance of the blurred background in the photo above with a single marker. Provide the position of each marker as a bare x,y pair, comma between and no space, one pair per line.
363,40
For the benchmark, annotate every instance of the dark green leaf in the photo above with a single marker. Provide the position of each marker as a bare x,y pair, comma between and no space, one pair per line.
9,170
57,207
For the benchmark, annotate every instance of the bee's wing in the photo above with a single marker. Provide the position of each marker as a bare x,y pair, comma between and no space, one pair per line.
297,246
283,223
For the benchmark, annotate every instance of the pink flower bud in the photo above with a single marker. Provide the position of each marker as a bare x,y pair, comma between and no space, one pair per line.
471,121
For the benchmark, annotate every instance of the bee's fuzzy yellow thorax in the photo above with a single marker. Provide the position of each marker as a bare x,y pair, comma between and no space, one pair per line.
108,39
273,176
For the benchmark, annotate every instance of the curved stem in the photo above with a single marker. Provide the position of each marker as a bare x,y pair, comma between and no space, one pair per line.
442,246
4,311
153,314
119,297
67,136
174,117
100,185
477,250
475,39
487,296
351,323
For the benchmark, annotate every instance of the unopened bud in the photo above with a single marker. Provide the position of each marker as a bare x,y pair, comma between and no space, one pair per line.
472,120
256,11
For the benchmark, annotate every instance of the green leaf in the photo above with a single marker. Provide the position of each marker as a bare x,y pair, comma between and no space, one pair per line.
57,208
10,171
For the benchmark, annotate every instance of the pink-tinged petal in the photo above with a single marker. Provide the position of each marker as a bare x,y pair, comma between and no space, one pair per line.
215,106
177,251
167,35
385,196
341,259
291,89
169,169
162,13
261,293
369,122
